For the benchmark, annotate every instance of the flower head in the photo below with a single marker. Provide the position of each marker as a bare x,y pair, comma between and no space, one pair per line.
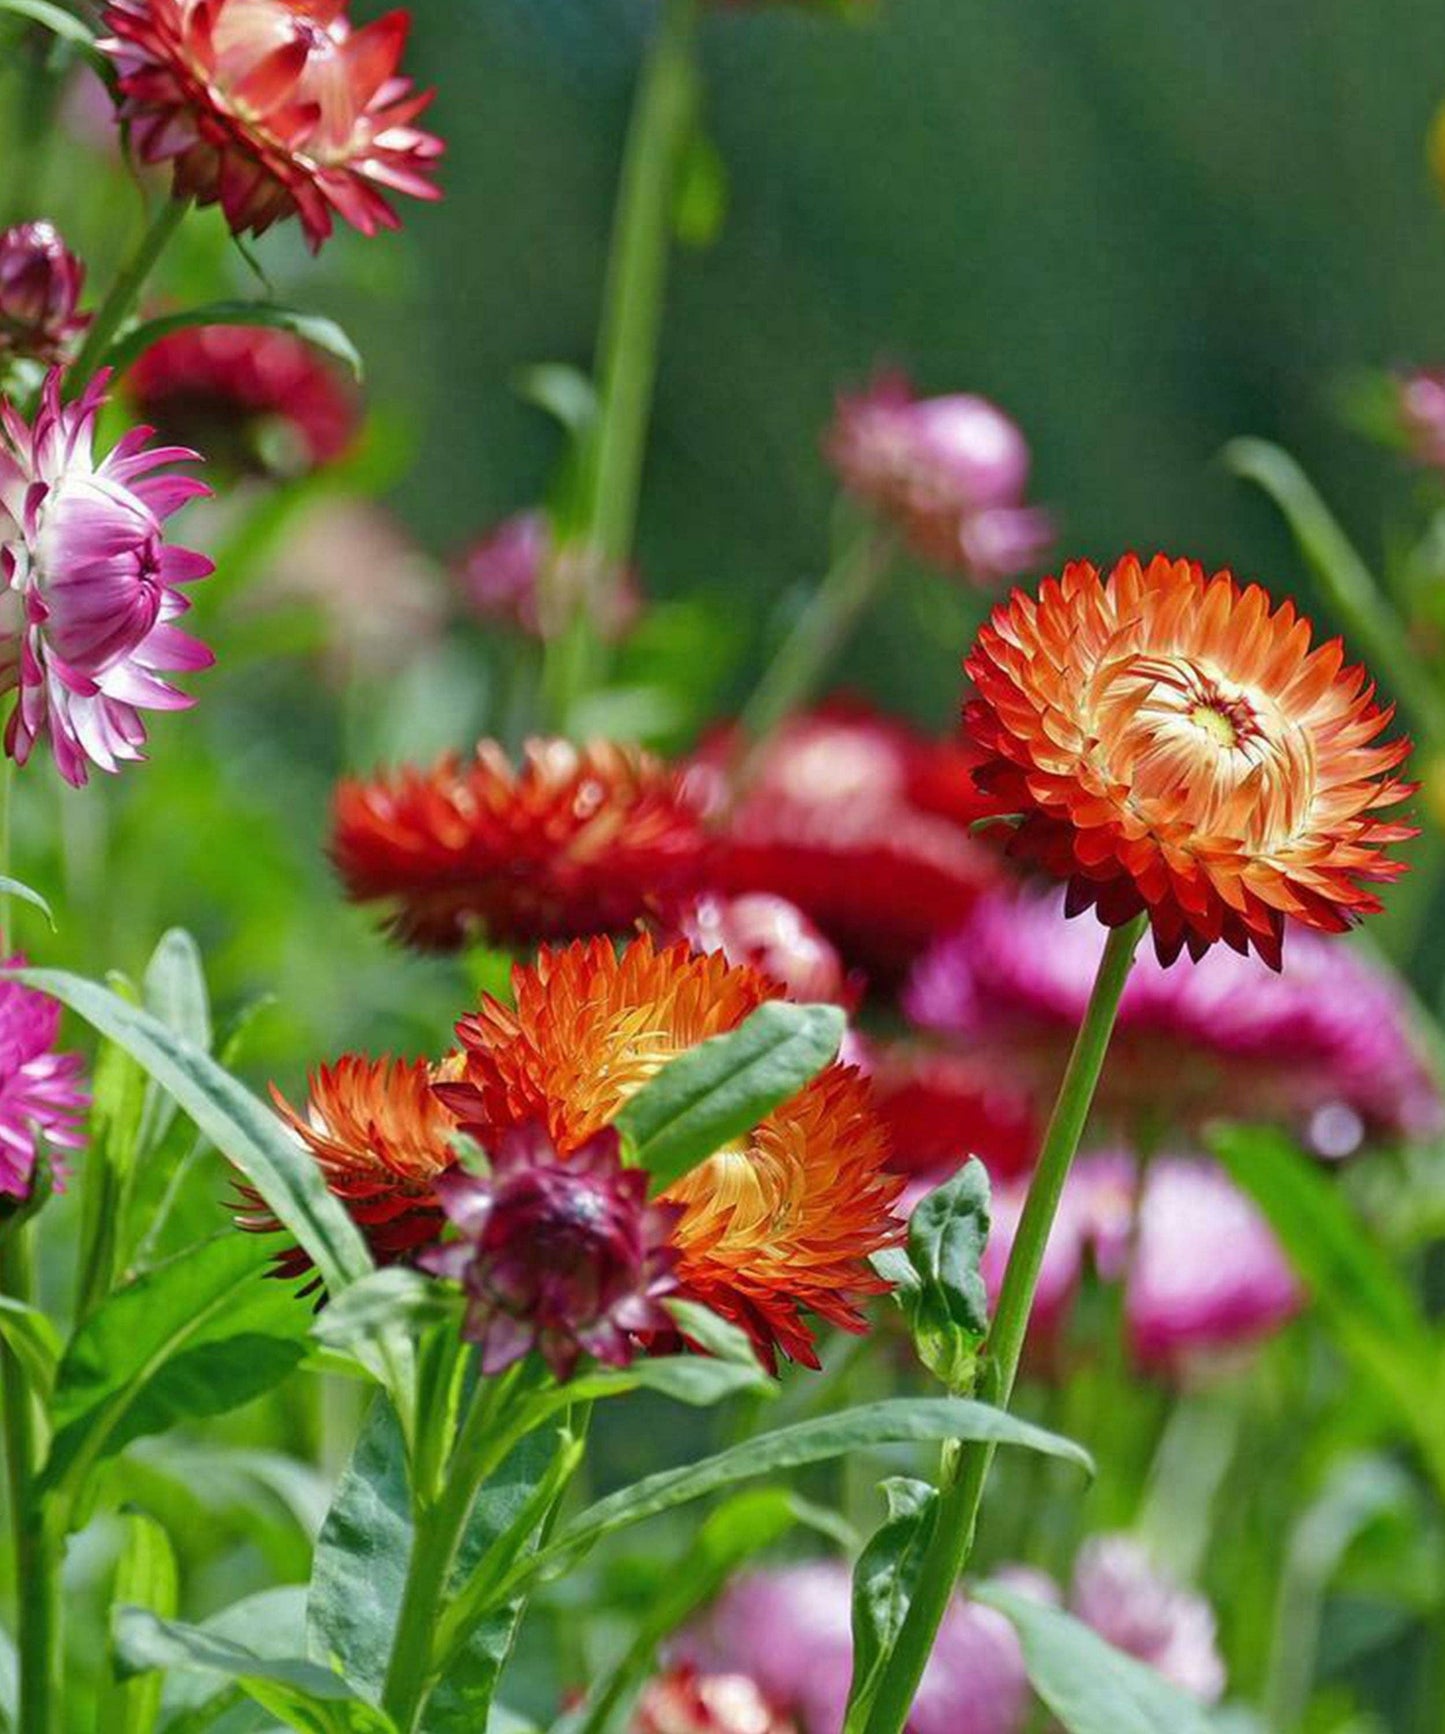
561,1254
942,1106
683,1701
1173,746
40,284
860,822
93,585
791,1630
768,934
382,1141
42,1093
780,1221
511,574
578,840
1325,1044
1204,1276
1128,1601
950,472
274,108
256,400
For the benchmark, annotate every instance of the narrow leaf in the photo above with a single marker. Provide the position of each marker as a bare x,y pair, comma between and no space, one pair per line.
145,1577
241,1126
1091,1687
884,1580
174,992
721,1088
26,893
32,1339
322,334
56,20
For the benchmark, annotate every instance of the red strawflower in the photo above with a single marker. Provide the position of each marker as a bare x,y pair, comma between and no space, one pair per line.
1174,746
579,840
274,108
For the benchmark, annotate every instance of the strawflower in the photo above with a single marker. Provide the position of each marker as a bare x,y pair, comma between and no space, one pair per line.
43,1099
942,1106
40,285
382,1141
1120,1593
274,108
562,1254
1325,1045
518,577
1169,743
93,585
684,1701
791,1631
949,472
769,934
254,400
782,1221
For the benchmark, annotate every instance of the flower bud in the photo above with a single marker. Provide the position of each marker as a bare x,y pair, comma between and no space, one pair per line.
40,283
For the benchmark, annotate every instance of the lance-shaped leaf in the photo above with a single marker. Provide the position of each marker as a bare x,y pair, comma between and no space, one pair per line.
937,1277
883,1583
145,1577
26,893
720,1089
322,334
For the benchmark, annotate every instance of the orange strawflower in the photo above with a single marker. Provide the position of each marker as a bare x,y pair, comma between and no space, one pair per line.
381,1139
782,1221
579,840
1173,745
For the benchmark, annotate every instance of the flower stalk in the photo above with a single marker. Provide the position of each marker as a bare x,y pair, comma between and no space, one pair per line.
966,1467
126,290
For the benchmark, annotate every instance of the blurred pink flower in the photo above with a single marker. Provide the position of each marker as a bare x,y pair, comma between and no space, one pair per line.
791,1631
1325,1044
42,1093
950,472
1420,404
771,935
504,576
40,284
1202,1271
1120,1593
92,583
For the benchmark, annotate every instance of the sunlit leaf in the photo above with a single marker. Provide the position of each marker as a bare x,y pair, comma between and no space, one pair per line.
323,334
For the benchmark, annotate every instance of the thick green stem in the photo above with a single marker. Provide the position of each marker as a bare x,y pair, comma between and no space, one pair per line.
967,1465
36,1547
627,348
126,290
806,654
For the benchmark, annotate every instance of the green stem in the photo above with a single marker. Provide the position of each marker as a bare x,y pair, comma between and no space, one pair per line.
628,342
806,654
125,292
498,1417
7,783
967,1465
37,1565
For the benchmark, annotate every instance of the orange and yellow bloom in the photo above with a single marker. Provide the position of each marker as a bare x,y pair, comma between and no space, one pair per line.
1171,744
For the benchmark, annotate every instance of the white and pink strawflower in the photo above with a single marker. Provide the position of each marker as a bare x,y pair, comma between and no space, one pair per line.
90,585
43,1099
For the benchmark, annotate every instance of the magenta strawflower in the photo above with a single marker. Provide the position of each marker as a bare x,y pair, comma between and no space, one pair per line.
1128,1601
790,1630
949,472
43,1099
517,576
770,934
93,585
40,284
1204,1277
1325,1045
562,1254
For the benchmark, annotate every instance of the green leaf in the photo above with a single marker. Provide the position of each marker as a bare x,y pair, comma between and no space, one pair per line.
145,1577
387,1300
728,1366
1091,1687
32,1339
895,1422
15,888
267,1624
198,1335
1364,1302
323,334
700,201
939,1283
884,1580
241,1126
60,23
566,394
173,991
721,1088
305,1696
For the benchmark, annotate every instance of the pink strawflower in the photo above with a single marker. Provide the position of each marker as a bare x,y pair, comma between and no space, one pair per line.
790,1630
769,934
40,284
43,1099
949,472
683,1701
93,585
562,1254
1324,1045
1420,405
1204,1276
517,576
1120,1593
